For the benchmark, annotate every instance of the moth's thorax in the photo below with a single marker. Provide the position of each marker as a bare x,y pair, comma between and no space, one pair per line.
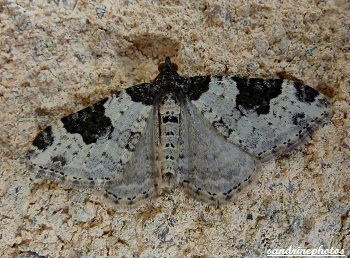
169,80
169,119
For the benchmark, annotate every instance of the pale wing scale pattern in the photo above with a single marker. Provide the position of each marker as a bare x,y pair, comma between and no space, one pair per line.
137,180
264,117
93,146
210,166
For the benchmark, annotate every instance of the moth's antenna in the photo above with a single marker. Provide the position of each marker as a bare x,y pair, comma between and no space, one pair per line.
167,63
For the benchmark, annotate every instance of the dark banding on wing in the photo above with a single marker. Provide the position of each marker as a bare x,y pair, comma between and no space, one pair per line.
144,93
91,123
44,139
256,94
305,93
59,159
196,86
298,119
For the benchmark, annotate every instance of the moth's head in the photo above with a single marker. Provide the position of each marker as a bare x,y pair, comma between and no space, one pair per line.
167,66
167,74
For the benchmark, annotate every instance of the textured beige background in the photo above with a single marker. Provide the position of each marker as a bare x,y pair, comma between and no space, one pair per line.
58,56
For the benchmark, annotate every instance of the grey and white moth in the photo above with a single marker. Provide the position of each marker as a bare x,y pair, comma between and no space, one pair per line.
207,133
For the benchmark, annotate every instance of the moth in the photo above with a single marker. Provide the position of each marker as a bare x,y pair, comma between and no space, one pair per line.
205,133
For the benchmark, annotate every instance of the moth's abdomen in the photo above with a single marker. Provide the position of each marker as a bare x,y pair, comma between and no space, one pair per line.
169,115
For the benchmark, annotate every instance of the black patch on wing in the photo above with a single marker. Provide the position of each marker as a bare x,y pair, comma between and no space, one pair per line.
298,119
144,93
196,86
132,141
59,159
222,126
256,94
305,93
91,123
322,103
44,139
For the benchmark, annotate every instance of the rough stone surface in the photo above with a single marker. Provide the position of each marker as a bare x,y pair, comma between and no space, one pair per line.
59,56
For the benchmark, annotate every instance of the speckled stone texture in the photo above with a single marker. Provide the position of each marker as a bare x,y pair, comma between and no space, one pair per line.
57,57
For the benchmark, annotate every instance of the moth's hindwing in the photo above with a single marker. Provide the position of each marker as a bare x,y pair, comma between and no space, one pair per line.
210,166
